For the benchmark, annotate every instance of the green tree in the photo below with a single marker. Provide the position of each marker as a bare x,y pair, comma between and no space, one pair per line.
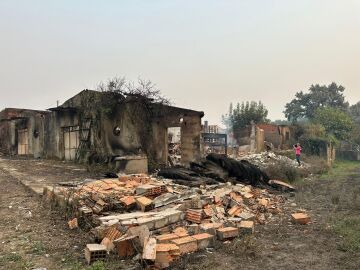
243,114
304,105
354,111
337,123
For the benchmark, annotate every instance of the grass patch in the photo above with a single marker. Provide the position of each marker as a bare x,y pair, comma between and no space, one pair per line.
341,168
38,248
15,262
98,265
349,229
13,257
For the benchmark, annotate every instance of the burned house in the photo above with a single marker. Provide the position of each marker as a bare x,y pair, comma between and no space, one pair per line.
260,137
277,135
250,139
214,139
22,132
103,127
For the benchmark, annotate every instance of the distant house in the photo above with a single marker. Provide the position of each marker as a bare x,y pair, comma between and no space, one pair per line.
258,137
278,135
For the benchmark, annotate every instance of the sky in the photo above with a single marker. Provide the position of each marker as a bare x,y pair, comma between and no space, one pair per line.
201,54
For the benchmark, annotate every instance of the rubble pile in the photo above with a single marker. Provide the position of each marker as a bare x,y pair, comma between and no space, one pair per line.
157,221
266,159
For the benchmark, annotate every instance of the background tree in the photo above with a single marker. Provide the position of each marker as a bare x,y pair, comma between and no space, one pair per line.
243,114
336,122
354,112
304,105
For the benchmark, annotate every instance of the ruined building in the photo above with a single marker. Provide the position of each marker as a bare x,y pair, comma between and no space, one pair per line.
102,127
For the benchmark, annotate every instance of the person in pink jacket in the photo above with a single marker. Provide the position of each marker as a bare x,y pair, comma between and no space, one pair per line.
297,148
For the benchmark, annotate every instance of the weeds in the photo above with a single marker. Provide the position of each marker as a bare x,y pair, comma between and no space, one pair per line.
349,229
341,168
286,172
38,248
98,265
15,261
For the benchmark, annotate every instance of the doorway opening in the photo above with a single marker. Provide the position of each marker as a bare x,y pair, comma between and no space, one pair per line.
71,142
174,145
23,142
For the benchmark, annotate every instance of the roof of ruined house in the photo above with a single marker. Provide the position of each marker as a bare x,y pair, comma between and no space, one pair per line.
269,127
16,113
76,101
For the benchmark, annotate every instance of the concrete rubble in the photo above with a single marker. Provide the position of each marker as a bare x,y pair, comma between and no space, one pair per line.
266,159
159,221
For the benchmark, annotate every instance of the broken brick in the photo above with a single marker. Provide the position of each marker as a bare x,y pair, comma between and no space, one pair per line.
181,232
108,244
73,224
128,201
234,211
125,246
149,251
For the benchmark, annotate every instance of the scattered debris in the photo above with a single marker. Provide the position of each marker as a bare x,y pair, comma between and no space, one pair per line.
266,159
281,185
73,224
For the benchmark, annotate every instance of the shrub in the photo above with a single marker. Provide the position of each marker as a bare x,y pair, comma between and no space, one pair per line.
285,172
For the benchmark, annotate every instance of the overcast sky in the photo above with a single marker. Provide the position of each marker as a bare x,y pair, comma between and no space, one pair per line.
202,54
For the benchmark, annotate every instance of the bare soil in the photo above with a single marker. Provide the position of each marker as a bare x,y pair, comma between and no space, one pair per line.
33,235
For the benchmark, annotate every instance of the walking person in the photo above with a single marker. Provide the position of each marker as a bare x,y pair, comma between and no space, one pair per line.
297,148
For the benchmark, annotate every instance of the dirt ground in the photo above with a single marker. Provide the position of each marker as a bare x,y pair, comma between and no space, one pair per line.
33,236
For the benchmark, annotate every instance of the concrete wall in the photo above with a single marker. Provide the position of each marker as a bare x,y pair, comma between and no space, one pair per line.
54,139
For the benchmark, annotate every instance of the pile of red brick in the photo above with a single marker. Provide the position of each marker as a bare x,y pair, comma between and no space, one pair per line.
159,221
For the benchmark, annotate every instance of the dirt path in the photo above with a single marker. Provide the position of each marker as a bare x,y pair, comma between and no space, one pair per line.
31,235
42,239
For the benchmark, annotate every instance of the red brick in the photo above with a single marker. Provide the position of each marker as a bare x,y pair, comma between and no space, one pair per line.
204,240
300,218
94,252
73,224
210,227
145,204
186,244
227,233
108,244
125,247
128,200
166,238
181,232
246,227
165,254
